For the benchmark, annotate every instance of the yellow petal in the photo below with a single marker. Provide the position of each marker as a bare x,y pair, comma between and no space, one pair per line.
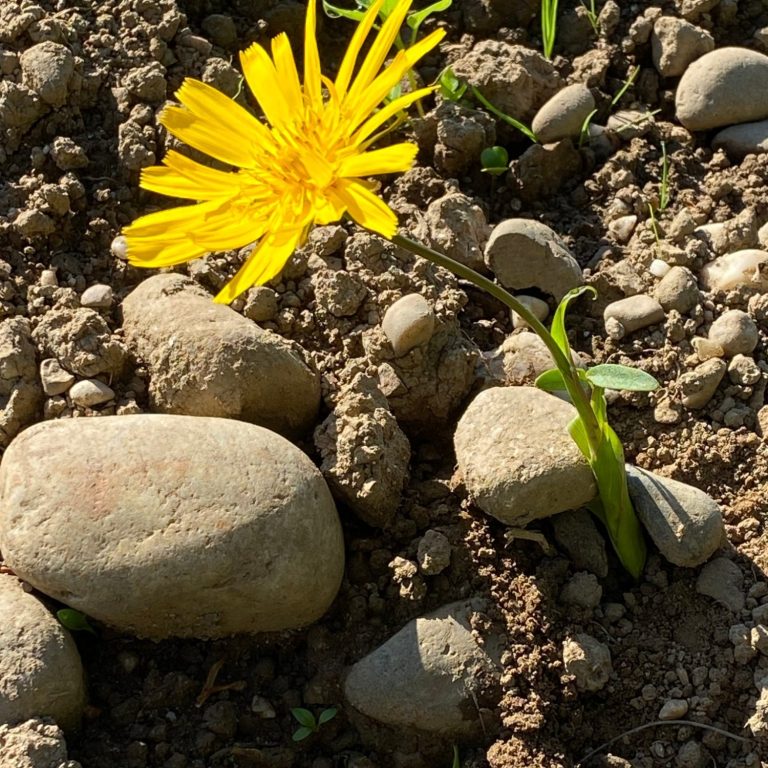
265,261
367,209
182,177
388,112
288,76
361,107
185,218
393,159
312,71
355,45
380,49
162,253
216,125
263,80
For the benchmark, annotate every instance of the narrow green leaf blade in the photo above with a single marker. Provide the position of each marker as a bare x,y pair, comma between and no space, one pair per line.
304,717
579,436
612,376
301,733
558,322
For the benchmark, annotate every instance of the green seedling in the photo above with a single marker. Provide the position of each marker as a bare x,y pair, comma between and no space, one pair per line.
74,621
308,724
590,429
494,160
664,188
626,85
548,26
584,132
592,15
456,760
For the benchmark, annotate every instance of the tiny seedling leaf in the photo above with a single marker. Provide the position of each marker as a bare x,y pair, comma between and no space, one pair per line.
304,717
494,160
451,88
301,733
327,715
75,621
612,376
558,331
551,381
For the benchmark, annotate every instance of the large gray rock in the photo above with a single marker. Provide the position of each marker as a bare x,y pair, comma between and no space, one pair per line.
564,114
524,253
205,359
685,523
171,525
431,675
723,87
40,670
515,455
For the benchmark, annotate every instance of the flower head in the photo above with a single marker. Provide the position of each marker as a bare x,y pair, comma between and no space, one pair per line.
306,166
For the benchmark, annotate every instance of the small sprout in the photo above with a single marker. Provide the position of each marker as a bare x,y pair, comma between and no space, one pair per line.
628,83
451,88
74,621
592,15
308,724
664,190
548,26
456,760
494,160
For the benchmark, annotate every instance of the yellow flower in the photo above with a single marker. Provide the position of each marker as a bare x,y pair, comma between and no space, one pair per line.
306,167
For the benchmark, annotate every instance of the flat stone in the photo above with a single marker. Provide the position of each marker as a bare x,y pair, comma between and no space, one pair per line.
722,580
408,323
747,267
699,385
723,87
98,296
431,675
588,660
40,670
524,253
632,314
90,392
738,141
171,526
678,290
205,359
54,378
735,331
563,115
685,524
515,455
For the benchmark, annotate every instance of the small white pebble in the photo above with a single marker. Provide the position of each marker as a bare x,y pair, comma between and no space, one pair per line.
97,296
659,268
48,277
119,248
90,392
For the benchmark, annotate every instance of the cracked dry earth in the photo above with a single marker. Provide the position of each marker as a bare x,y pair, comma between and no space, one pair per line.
374,399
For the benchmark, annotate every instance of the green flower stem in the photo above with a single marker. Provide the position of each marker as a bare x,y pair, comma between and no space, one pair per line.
567,368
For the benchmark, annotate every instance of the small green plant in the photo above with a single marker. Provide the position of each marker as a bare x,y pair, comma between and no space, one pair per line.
494,160
456,759
664,188
626,85
74,621
591,10
453,88
308,724
548,26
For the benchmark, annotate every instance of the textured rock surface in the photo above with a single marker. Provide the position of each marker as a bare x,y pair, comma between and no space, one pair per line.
515,455
722,580
685,523
32,744
699,385
576,532
524,253
735,331
676,43
40,670
170,525
588,660
723,87
747,267
364,452
206,360
431,675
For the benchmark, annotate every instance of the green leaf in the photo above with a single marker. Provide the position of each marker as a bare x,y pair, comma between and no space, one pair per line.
301,733
599,405
326,715
456,760
74,620
451,88
494,158
558,322
579,436
417,18
618,514
304,717
550,381
612,376
334,12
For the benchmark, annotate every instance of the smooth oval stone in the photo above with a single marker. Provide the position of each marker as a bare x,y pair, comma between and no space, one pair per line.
205,359
564,114
431,675
738,141
723,87
40,670
408,323
171,525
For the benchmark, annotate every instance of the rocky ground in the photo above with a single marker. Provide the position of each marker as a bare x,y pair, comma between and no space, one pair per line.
367,553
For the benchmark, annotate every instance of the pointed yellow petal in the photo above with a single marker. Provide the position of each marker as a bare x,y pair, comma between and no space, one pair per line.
287,74
367,209
380,49
265,261
388,112
393,159
216,125
185,217
162,253
182,177
361,107
263,80
312,71
355,45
